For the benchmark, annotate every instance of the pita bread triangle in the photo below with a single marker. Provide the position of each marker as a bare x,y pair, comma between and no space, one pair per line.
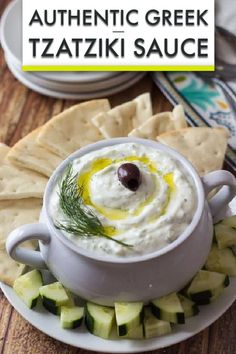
28,153
120,120
17,182
161,123
72,129
4,149
14,213
204,147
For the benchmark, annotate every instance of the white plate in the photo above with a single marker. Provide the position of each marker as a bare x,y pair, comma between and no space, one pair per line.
11,40
76,76
71,96
74,87
81,338
11,31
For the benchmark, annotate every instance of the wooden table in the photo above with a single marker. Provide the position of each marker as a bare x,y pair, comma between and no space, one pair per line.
22,110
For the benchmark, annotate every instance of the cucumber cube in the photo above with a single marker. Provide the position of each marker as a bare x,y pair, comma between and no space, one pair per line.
129,315
221,261
27,287
71,317
154,327
99,319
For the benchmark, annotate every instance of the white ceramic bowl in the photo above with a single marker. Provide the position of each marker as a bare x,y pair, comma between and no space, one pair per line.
108,279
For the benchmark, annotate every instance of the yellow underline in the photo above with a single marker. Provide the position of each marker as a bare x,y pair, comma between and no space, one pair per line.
118,68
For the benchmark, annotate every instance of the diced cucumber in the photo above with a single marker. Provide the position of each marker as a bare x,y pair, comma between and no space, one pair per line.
27,287
189,307
71,316
99,319
225,235
135,333
230,221
55,310
129,315
168,308
53,297
154,327
205,285
209,300
217,294
221,261
54,292
70,302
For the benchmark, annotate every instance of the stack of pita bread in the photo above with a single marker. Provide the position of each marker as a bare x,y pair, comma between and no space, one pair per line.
26,167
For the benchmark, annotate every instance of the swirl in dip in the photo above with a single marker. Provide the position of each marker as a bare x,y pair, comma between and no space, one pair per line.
149,218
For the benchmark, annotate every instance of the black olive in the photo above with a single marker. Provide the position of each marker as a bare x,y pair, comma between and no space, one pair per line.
129,175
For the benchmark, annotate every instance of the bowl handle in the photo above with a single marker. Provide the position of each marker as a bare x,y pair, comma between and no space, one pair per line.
227,192
24,255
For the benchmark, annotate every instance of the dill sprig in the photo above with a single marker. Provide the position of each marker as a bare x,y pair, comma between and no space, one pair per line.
80,219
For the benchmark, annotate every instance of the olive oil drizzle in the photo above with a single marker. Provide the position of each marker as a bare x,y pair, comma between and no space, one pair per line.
118,214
